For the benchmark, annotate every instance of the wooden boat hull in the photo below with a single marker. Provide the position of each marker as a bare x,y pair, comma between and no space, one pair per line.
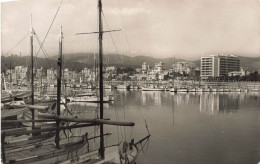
28,116
24,141
46,152
112,155
11,114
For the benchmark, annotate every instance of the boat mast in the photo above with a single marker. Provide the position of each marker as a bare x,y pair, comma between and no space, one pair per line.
59,87
173,71
32,85
10,73
102,148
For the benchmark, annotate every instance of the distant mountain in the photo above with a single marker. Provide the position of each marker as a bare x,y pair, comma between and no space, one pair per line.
78,61
251,64
40,62
118,60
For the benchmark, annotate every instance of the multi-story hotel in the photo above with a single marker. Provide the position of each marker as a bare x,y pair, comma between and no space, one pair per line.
218,65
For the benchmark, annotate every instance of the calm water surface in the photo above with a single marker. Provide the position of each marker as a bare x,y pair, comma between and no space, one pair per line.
205,128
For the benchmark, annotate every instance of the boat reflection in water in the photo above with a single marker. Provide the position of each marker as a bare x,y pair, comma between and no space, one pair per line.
154,97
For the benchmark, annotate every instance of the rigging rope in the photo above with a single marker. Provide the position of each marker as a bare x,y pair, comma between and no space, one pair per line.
49,28
110,34
44,52
146,126
17,43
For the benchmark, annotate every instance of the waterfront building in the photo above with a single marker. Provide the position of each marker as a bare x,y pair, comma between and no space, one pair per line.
145,67
219,65
141,77
242,72
183,67
111,69
159,67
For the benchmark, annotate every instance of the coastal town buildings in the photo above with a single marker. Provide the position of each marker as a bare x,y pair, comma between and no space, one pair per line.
241,72
159,67
183,68
145,68
218,65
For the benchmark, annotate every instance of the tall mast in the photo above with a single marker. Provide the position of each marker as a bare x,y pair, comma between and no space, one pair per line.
31,51
173,70
102,148
59,87
10,72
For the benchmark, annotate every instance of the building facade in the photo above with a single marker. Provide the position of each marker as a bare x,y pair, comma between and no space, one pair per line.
218,65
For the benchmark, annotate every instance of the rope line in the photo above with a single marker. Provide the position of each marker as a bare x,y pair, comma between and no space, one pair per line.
49,28
45,53
17,43
110,34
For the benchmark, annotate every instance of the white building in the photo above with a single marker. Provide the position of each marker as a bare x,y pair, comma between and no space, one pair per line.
145,67
218,65
159,67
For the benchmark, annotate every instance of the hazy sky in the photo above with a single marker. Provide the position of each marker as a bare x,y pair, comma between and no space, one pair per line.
185,29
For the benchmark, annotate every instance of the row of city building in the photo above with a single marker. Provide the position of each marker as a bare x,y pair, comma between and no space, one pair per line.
211,66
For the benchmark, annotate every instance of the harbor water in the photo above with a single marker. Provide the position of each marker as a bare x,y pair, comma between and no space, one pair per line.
198,128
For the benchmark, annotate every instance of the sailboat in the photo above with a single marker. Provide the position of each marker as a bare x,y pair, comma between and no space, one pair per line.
29,149
123,153
77,151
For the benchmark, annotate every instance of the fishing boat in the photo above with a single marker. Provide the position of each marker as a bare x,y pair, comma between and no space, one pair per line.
121,87
182,89
206,89
192,90
226,90
255,90
220,90
173,90
153,88
235,90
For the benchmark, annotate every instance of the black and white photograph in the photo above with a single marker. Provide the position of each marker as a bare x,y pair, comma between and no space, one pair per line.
130,81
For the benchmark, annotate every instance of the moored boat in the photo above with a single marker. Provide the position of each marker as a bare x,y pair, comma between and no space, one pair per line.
192,89
90,99
206,90
173,90
153,88
182,89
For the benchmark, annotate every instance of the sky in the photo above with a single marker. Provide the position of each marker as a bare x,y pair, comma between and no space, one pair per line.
185,29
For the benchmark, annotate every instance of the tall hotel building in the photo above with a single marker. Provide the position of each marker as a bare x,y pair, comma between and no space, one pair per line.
218,65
